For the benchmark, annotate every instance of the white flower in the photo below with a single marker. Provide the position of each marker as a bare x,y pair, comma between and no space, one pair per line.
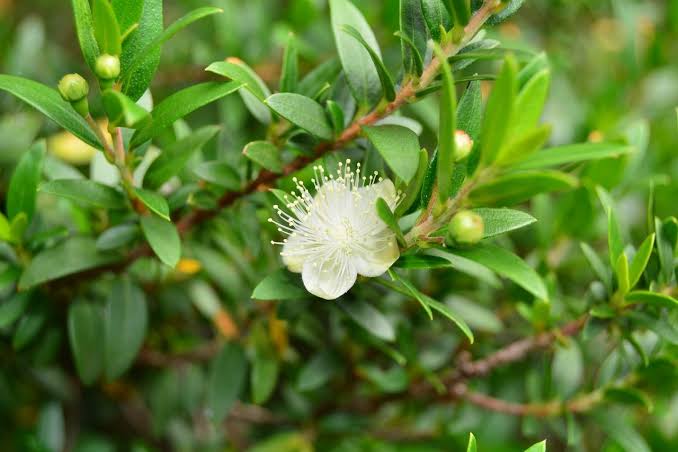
337,234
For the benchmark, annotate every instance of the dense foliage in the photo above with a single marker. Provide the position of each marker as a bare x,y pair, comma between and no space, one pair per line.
339,226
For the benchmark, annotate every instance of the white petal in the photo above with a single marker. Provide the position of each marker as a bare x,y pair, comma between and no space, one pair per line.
294,253
329,278
378,257
384,189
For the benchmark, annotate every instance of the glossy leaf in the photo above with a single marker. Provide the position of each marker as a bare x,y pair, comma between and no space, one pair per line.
85,327
436,16
123,111
384,76
117,236
106,28
84,27
290,66
254,90
23,186
446,131
155,202
280,285
539,447
368,317
386,215
501,221
411,194
412,25
12,309
318,371
640,260
518,187
303,112
86,192
163,238
219,173
498,112
573,153
648,297
264,154
226,381
530,103
264,376
399,147
471,446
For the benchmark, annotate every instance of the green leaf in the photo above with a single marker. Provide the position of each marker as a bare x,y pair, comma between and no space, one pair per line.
5,229
567,369
510,8
648,297
125,323
336,115
506,264
399,147
622,272
416,56
106,28
264,376
123,111
524,146
368,317
450,314
501,221
290,66
498,112
386,215
539,447
470,110
128,12
254,90
136,81
49,102
629,396
446,130
264,154
640,260
175,156
614,237
226,381
389,381
414,187
28,327
515,188
318,371
361,74
421,261
461,11
323,74
219,173
155,202
666,236
413,291
303,112
11,310
117,236
85,30
471,446
163,238
572,153
384,76
85,191
181,104
477,316
530,103
71,256
436,17
280,285
412,25
85,327
622,432
23,186
146,56
467,266
597,265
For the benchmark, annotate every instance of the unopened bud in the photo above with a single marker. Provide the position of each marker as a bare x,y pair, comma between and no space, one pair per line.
462,145
107,68
465,228
74,89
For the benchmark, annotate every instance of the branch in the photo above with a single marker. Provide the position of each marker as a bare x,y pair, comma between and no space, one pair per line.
266,178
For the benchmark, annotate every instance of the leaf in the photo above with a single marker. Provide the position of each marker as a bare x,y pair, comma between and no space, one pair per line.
567,369
264,154
336,115
470,110
524,146
318,371
163,238
500,221
622,272
597,265
498,112
128,12
385,214
468,266
85,326
530,103
412,290
123,111
416,56
303,112
106,28
176,155
414,187
23,186
666,236
629,396
399,147
147,54
290,66
614,239
471,446
219,173
117,236
476,315
361,74
539,447
515,188
254,90
85,29
436,16
511,7
85,191
280,285
461,11
155,202
622,432
135,46
648,297
412,25
264,377
446,130
226,381
368,317
181,104
384,76
450,314
640,260
389,381
572,153
49,102
28,327
506,264
420,261
11,310
125,324
71,256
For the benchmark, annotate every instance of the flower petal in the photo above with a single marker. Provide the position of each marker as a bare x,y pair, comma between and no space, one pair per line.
384,189
378,257
294,253
329,278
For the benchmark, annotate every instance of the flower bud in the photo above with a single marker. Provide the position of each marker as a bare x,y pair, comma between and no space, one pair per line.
107,67
462,145
74,89
465,228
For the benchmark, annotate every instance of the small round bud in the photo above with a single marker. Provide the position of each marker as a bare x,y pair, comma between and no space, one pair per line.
73,87
107,67
462,145
465,228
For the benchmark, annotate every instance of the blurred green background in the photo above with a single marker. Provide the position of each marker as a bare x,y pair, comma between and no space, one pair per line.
615,72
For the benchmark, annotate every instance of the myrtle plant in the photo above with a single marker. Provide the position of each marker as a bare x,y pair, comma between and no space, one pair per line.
388,256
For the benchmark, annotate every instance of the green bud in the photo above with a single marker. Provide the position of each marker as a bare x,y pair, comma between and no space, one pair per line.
465,228
462,145
74,89
107,67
